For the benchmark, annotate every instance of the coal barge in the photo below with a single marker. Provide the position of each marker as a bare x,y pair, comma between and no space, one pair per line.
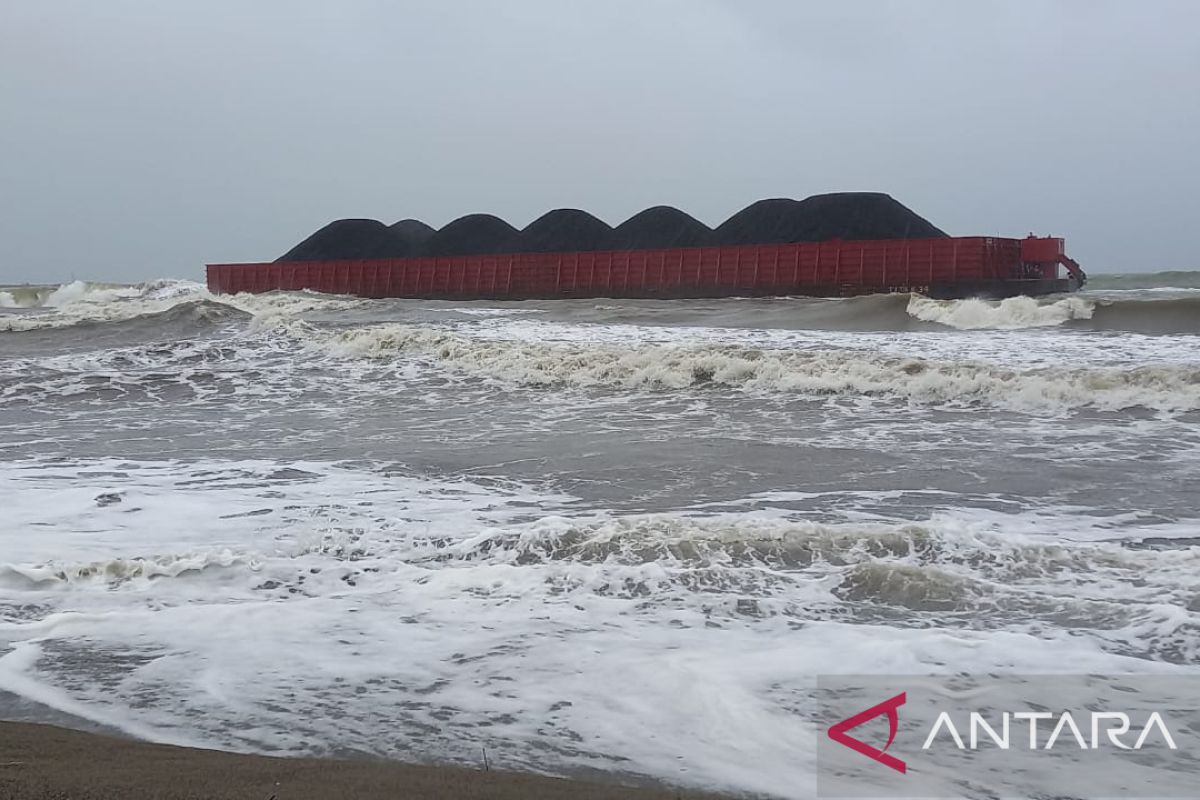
836,245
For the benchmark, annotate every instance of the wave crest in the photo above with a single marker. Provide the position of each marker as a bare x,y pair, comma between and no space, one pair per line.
1149,314
806,568
1008,314
811,372
84,303
115,572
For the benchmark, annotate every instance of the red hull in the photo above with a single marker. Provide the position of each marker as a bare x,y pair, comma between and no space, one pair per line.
944,267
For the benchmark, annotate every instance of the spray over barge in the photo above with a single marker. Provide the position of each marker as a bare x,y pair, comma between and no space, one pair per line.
833,245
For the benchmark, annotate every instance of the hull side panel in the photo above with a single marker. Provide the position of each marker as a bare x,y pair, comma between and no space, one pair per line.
942,268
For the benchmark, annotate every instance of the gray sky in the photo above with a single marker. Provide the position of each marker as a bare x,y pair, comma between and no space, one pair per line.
142,139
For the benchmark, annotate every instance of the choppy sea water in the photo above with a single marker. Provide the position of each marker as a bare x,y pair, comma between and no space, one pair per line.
612,535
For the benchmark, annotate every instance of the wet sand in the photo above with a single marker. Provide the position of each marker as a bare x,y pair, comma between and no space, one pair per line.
42,762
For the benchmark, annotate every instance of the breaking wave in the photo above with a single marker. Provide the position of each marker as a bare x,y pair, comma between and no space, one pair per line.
1008,314
115,572
811,372
77,292
733,565
1151,312
24,296
785,544
739,565
146,322
1142,314
82,303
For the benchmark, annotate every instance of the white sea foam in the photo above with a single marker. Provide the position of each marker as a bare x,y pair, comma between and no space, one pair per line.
1008,314
313,607
84,292
82,302
1167,387
493,312
116,571
238,603
27,296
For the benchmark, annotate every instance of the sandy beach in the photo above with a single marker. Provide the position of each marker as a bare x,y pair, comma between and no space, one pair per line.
41,762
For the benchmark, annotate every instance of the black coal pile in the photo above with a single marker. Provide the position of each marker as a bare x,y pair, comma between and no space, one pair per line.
845,215
473,235
403,239
764,222
414,231
343,238
864,215
660,227
565,230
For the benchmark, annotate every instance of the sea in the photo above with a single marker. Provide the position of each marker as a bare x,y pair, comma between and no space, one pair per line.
616,538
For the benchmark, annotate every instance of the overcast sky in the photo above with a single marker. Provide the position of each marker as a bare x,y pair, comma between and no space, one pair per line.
142,138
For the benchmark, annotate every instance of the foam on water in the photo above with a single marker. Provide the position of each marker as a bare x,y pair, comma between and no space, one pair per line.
84,303
25,296
95,294
1135,310
1017,370
311,607
1167,387
1012,348
1007,314
622,536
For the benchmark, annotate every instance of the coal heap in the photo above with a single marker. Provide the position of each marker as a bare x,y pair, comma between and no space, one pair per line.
404,239
660,227
473,235
845,215
764,222
863,215
343,238
565,230
413,230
